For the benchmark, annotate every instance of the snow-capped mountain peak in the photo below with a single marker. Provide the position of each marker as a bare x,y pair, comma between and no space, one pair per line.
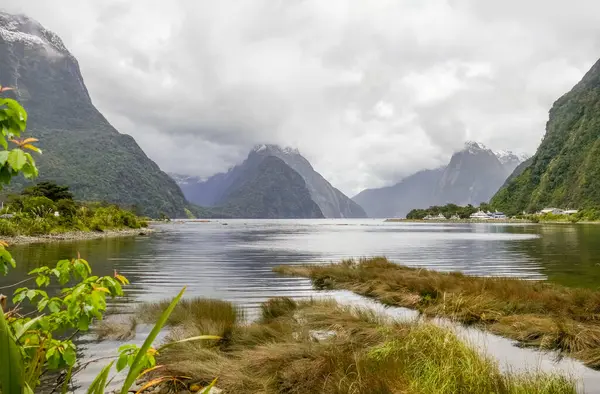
507,156
275,148
21,28
475,147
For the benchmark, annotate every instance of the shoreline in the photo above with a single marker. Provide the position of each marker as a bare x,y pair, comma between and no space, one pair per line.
76,236
511,221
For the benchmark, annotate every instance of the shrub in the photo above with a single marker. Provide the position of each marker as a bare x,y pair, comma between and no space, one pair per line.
36,205
8,228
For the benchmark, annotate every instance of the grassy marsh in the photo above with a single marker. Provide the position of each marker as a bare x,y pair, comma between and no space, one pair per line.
322,347
538,314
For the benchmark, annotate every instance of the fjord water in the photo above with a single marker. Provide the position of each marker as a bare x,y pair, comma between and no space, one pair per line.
232,259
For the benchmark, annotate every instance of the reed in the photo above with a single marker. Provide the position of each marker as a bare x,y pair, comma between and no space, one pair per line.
286,351
535,313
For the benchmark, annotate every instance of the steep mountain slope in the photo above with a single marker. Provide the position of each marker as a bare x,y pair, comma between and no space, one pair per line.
270,190
81,149
472,176
332,202
565,171
416,190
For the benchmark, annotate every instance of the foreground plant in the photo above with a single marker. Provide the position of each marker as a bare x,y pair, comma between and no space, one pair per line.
36,332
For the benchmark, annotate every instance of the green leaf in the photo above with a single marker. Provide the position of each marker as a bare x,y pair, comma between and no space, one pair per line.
3,154
99,384
11,373
122,361
17,159
209,387
138,363
40,280
70,356
25,327
29,171
54,306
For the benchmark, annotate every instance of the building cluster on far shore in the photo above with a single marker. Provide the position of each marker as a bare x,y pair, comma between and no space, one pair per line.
557,211
487,215
479,215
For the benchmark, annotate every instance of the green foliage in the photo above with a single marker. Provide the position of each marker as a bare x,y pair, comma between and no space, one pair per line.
13,120
36,217
36,205
38,337
565,171
11,373
189,214
49,190
448,211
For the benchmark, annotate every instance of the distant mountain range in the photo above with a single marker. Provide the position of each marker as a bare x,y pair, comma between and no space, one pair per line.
81,148
472,176
565,170
232,193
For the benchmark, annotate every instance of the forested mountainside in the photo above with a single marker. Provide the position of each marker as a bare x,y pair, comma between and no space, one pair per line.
80,147
565,170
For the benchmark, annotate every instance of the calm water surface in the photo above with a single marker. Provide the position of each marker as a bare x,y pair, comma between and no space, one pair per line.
232,259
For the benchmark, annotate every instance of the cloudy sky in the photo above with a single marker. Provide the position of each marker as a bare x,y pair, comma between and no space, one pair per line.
368,90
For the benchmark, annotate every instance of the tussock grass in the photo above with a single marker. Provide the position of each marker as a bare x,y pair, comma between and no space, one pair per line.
535,313
368,353
116,328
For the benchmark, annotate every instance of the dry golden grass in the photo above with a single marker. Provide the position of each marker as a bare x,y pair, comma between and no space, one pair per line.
536,313
361,353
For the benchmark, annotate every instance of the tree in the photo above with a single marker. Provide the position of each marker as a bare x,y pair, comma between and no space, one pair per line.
50,190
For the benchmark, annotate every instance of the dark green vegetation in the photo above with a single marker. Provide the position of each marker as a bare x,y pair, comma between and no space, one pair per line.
272,190
33,213
81,148
322,347
447,210
264,187
565,171
537,314
221,190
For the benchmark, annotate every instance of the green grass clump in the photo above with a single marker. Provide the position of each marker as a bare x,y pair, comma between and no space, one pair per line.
536,313
363,353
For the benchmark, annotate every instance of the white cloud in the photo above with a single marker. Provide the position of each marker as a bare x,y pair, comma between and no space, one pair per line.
368,91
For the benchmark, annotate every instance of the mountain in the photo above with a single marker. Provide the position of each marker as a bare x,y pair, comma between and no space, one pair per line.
510,160
269,190
565,170
332,202
413,191
81,148
472,176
